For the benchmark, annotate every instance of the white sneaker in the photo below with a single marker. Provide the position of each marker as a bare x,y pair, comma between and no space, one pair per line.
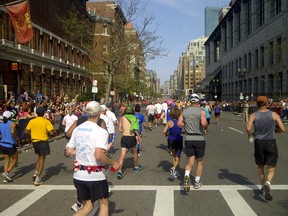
7,177
75,207
38,181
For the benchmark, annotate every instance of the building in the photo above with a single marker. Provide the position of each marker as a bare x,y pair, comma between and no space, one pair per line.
191,67
211,19
48,63
247,52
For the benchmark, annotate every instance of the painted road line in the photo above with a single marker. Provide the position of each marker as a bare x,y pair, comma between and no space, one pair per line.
25,202
164,203
237,204
8,186
235,130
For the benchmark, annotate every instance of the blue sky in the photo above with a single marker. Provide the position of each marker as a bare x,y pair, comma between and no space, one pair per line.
179,22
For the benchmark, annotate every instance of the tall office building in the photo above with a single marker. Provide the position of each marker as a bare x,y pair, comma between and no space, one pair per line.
211,19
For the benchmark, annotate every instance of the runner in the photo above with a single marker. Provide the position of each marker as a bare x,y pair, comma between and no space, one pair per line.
158,111
8,142
89,143
175,140
265,147
111,128
40,128
141,120
194,120
150,111
217,111
129,126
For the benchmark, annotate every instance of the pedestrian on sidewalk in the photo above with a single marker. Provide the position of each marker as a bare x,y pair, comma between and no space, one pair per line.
265,147
40,129
193,119
89,143
8,142
175,140
129,126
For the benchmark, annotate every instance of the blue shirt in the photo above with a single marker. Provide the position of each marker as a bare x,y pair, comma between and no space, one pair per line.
7,139
140,119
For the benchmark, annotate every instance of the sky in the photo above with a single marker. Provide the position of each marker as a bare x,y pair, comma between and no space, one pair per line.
179,22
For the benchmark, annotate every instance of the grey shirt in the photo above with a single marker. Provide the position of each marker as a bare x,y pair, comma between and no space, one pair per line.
192,119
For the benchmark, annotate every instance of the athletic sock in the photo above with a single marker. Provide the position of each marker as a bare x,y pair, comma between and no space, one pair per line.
197,179
187,172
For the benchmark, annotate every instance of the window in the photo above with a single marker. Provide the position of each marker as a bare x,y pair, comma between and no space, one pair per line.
105,48
279,50
256,58
276,6
249,15
262,56
271,53
261,13
105,30
249,62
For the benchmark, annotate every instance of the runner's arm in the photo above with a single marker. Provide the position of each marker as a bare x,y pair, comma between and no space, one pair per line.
181,122
249,124
279,122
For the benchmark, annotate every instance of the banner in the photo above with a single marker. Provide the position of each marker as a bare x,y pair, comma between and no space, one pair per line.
21,21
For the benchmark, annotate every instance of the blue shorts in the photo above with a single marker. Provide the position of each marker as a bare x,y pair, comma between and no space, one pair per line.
111,138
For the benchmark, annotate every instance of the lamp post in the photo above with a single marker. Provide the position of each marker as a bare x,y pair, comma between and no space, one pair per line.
241,74
215,84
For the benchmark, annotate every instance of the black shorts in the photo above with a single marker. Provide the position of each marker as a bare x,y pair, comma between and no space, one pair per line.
128,142
195,148
217,114
150,118
8,151
265,152
41,148
91,190
175,144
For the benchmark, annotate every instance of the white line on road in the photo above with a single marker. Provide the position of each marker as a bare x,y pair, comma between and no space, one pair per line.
237,204
46,187
236,130
24,203
164,203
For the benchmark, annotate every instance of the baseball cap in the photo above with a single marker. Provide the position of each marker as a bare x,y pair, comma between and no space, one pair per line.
262,99
40,111
7,114
92,108
194,98
129,109
103,107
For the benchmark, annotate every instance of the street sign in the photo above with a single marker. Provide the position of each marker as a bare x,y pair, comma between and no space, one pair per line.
94,82
94,89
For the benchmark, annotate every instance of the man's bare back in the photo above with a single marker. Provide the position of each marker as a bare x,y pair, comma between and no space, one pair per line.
124,127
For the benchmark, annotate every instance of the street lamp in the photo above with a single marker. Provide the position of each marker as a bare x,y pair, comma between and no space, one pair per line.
215,83
241,74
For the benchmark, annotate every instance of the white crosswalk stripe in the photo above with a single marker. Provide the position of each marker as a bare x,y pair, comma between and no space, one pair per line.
164,202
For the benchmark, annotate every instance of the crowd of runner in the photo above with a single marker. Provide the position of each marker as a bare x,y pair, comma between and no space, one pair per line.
89,129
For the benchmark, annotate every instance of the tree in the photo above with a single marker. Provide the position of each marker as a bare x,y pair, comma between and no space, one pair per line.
117,49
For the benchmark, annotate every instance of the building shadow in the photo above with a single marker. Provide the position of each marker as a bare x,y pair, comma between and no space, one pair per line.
23,170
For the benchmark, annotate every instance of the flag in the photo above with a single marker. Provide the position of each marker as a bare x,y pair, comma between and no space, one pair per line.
21,21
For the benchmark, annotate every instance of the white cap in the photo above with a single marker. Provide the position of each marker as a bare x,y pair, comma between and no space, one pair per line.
7,114
103,107
194,98
92,108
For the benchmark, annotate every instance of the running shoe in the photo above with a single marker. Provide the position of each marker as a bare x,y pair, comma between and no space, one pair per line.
137,169
75,207
197,185
120,175
176,173
34,177
186,185
38,181
267,190
262,192
7,177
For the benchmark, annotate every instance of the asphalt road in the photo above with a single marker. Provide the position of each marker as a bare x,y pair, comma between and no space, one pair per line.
230,181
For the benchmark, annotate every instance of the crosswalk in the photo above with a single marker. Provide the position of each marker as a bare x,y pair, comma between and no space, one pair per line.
164,202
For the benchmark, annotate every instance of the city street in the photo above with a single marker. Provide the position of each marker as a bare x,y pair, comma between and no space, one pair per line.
230,180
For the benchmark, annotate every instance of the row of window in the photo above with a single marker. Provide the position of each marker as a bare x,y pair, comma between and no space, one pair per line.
45,44
260,58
